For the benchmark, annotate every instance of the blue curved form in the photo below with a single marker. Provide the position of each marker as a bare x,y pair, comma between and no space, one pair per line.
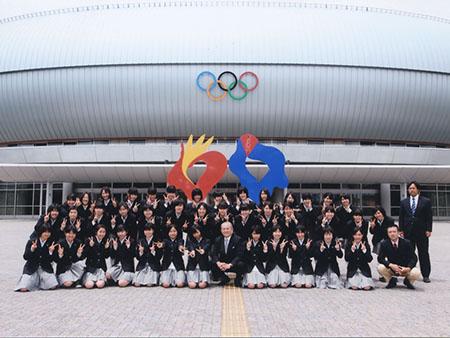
275,177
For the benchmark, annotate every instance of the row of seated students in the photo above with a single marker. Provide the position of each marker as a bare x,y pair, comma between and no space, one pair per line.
152,232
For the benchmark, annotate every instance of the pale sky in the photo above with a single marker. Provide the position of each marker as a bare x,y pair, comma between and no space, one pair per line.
440,8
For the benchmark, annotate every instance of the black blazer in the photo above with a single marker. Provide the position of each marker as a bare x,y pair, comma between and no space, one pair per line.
309,219
245,230
130,224
178,222
415,226
327,258
404,256
123,255
267,228
301,257
84,213
109,209
217,225
255,256
344,217
358,260
277,257
55,228
69,256
235,211
171,254
235,252
379,232
81,233
201,260
40,256
91,225
142,222
96,255
289,231
153,260
352,225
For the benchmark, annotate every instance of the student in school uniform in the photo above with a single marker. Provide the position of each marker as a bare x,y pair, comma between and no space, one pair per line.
290,198
197,197
327,219
69,258
86,208
277,268
132,201
218,197
301,251
38,270
242,198
172,266
344,213
204,221
245,221
358,256
149,217
125,218
289,220
264,197
169,198
149,257
69,203
197,269
151,200
309,213
255,255
98,217
177,217
268,219
326,253
378,228
122,258
327,201
52,218
109,202
74,220
96,250
358,221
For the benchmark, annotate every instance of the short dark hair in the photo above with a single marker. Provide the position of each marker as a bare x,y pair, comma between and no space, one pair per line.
393,225
72,208
52,207
202,204
196,192
107,190
327,194
217,193
133,191
417,184
242,189
223,205
123,204
195,228
151,191
149,226
257,229
70,228
328,229
329,209
99,205
380,209
288,205
244,206
43,228
345,196
307,196
171,189
177,202
355,230
268,204
98,227
120,228
300,228
70,197
358,212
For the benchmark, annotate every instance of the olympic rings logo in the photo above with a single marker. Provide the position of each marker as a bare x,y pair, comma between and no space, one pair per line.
223,86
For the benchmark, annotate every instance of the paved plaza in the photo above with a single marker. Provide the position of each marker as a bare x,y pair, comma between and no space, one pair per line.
217,311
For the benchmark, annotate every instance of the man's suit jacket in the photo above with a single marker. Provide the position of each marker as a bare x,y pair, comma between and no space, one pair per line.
415,226
235,252
404,256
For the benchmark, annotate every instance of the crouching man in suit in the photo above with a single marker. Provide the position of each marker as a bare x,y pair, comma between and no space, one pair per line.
397,258
227,256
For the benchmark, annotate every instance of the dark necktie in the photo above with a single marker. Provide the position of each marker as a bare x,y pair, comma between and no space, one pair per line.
413,207
395,247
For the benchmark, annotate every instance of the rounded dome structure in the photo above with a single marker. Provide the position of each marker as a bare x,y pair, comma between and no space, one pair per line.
127,71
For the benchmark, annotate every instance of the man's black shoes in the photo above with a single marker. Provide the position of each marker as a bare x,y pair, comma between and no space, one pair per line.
408,284
392,283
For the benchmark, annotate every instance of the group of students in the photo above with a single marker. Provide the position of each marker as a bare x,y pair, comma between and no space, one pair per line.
252,240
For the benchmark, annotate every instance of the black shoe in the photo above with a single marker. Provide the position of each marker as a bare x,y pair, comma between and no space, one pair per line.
392,283
382,279
237,283
224,281
408,284
426,280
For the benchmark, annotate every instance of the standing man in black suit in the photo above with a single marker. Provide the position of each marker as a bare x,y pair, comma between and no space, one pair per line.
416,222
228,256
397,258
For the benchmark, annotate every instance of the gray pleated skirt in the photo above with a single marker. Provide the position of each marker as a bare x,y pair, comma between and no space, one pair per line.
329,280
73,274
98,275
40,280
278,277
146,276
254,277
302,278
117,273
172,276
197,276
360,281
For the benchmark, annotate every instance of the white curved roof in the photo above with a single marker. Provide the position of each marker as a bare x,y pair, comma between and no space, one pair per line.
223,32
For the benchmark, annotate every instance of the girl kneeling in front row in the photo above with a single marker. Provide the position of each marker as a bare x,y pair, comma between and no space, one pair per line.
38,271
198,262
301,252
122,258
172,263
148,256
327,268
69,258
277,268
358,256
96,251
255,254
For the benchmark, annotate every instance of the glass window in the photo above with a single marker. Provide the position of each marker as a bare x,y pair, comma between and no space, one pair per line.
395,211
371,186
356,199
311,186
142,185
351,186
101,185
24,210
431,187
432,196
395,186
331,186
57,196
164,185
24,186
10,198
294,186
24,197
122,185
370,200
82,186
2,198
395,198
